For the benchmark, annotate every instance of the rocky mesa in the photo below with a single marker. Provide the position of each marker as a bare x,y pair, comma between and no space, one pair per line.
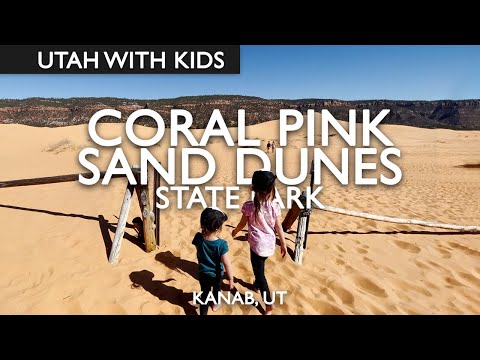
51,112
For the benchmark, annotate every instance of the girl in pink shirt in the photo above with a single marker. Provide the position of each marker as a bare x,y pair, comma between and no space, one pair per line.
263,218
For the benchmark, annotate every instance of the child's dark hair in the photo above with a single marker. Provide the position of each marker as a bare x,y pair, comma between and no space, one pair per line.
212,219
137,220
263,182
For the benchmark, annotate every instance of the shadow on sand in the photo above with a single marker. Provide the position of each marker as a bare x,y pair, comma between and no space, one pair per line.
178,264
248,286
105,226
162,291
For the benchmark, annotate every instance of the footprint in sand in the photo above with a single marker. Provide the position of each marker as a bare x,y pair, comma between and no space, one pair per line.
445,253
422,265
318,269
464,249
376,310
369,286
345,296
361,251
388,270
372,224
423,291
431,285
326,292
340,248
326,308
289,272
278,280
437,266
339,261
373,265
451,281
470,278
407,246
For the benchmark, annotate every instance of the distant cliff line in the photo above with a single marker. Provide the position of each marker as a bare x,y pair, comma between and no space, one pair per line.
52,112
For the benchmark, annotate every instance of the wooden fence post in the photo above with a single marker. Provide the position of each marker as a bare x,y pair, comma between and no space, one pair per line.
301,235
122,222
147,214
51,180
293,213
156,185
308,217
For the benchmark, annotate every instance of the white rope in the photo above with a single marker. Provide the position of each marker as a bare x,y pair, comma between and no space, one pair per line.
397,220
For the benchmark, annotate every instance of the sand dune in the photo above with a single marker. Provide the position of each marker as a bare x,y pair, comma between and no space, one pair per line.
55,238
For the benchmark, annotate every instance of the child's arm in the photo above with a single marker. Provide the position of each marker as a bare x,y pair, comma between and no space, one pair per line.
240,225
281,236
228,269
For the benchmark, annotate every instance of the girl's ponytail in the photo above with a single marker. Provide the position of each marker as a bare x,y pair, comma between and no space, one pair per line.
263,182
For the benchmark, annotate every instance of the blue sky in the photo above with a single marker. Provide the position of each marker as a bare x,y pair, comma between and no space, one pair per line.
289,72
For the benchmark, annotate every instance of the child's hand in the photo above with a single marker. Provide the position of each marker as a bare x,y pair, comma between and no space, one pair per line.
234,232
283,249
230,284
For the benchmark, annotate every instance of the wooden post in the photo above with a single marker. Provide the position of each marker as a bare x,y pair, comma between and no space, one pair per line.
463,228
301,235
291,216
147,214
293,213
122,222
51,180
308,217
156,185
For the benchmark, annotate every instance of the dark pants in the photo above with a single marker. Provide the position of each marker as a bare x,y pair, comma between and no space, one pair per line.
208,284
258,265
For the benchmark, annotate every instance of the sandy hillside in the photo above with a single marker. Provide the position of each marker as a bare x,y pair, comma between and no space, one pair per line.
55,238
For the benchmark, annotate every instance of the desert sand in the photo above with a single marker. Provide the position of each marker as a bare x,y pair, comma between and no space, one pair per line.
55,238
